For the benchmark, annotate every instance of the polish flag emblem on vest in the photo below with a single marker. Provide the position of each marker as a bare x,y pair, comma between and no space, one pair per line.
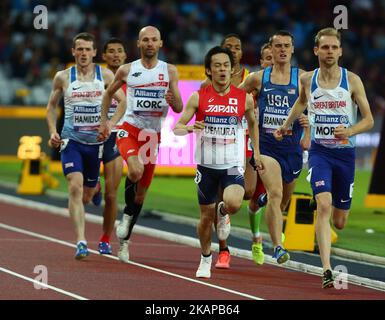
161,76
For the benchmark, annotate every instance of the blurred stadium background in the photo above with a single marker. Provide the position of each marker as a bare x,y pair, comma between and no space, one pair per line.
30,57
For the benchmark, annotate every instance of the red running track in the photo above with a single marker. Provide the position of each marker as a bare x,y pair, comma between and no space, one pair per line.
99,277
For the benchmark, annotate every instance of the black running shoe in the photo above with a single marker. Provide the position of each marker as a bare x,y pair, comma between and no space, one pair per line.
327,279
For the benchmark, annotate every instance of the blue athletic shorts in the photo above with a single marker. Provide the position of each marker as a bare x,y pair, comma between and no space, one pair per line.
79,157
332,170
110,150
209,180
290,161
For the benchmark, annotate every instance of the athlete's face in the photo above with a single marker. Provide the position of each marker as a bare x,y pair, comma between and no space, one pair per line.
149,42
235,46
220,69
83,52
329,50
282,49
114,55
267,58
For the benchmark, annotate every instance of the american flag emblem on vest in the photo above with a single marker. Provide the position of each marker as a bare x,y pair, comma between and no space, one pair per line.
291,91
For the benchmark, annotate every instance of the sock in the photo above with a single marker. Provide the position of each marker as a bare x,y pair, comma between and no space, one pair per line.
135,209
82,241
255,220
105,238
225,249
206,255
129,194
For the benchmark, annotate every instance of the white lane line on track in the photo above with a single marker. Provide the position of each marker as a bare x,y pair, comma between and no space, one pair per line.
65,243
41,284
189,241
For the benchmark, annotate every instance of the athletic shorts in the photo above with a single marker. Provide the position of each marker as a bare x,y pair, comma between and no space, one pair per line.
110,150
132,141
208,181
290,162
84,158
332,170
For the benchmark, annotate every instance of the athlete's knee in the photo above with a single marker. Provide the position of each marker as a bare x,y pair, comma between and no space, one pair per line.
75,190
274,195
323,205
233,205
206,221
135,174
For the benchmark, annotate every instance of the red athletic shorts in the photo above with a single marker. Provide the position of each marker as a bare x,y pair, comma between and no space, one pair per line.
144,143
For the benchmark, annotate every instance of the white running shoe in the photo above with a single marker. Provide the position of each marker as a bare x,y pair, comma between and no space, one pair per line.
122,228
123,253
204,269
223,223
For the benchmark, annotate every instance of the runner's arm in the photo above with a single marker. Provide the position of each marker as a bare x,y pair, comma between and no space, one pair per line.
55,95
173,96
181,127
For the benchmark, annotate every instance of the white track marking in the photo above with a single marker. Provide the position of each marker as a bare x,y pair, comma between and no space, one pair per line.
68,244
67,293
164,235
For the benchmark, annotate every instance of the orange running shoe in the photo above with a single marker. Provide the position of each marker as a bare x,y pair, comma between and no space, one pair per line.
223,260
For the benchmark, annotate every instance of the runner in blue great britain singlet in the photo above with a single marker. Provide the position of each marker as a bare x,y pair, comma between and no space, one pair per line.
81,152
275,102
332,160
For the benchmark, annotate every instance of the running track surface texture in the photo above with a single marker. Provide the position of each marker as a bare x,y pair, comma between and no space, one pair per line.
160,269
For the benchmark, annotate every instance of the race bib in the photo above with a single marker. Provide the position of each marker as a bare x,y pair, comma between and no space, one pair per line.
324,126
86,118
149,102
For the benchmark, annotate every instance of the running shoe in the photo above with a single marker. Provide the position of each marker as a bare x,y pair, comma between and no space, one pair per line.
98,196
281,255
223,223
81,251
327,279
223,261
204,269
122,228
257,253
104,248
123,253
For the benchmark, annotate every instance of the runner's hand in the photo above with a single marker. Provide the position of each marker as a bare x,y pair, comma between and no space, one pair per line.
55,141
104,131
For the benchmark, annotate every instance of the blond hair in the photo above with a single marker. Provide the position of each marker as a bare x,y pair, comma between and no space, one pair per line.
327,32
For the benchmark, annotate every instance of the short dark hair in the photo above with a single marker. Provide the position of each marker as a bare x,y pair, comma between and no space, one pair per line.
230,35
214,51
111,41
284,33
84,36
